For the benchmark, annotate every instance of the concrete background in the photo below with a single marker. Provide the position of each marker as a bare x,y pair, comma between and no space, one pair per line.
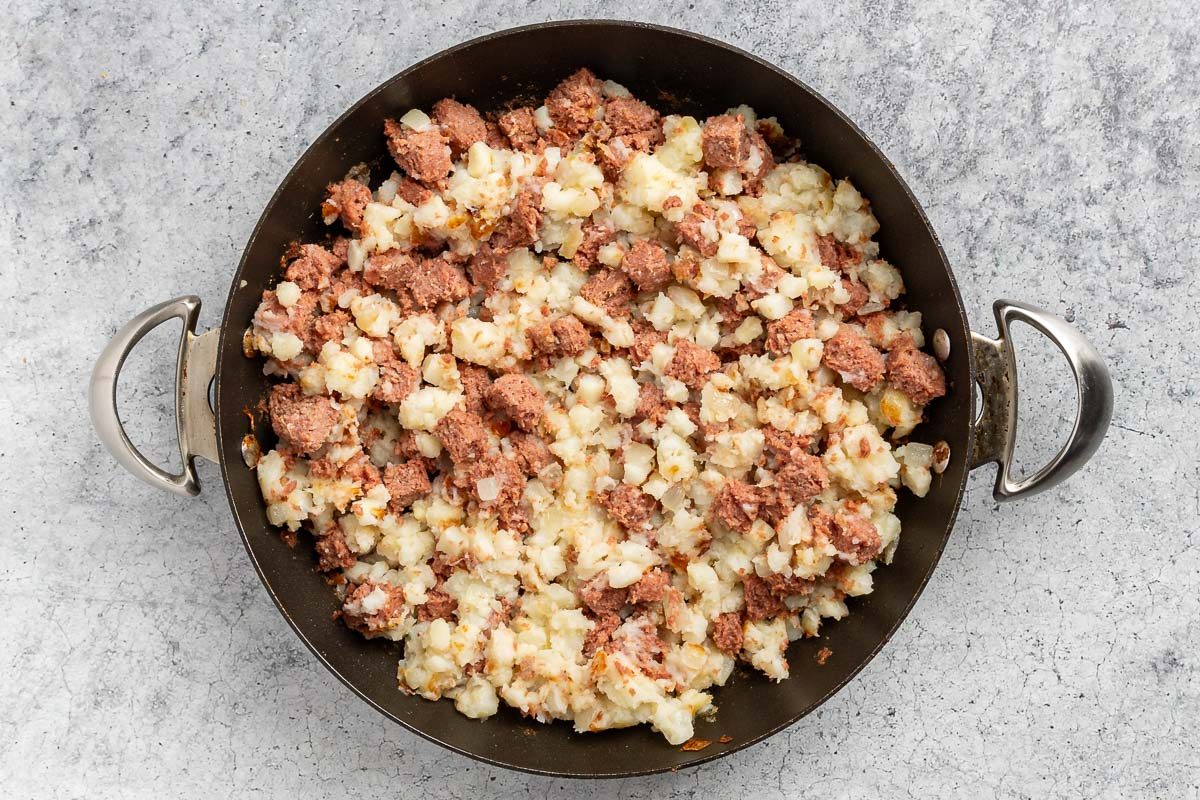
1056,650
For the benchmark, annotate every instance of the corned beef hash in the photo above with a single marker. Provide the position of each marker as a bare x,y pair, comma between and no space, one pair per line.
585,403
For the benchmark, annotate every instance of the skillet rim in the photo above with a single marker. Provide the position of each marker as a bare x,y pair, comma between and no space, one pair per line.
226,331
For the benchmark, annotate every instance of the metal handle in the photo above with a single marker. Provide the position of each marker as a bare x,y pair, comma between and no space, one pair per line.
996,374
194,420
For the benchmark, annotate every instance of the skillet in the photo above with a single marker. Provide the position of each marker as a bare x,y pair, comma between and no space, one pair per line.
678,72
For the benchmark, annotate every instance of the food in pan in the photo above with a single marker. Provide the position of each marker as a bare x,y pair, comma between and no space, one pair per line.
584,403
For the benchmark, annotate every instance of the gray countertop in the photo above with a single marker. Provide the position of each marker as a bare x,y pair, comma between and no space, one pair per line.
1056,651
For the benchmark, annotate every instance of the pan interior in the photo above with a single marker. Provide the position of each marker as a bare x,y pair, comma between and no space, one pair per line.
678,72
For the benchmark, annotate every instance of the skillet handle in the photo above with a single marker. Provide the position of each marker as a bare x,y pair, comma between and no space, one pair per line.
996,374
194,419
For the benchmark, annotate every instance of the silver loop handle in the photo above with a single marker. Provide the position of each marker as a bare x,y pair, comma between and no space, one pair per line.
194,420
996,373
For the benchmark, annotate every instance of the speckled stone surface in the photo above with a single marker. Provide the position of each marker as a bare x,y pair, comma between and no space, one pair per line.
1056,652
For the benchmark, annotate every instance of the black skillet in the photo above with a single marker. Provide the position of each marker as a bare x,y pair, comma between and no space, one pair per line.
679,72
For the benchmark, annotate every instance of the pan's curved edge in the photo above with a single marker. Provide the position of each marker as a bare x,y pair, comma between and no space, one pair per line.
227,330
